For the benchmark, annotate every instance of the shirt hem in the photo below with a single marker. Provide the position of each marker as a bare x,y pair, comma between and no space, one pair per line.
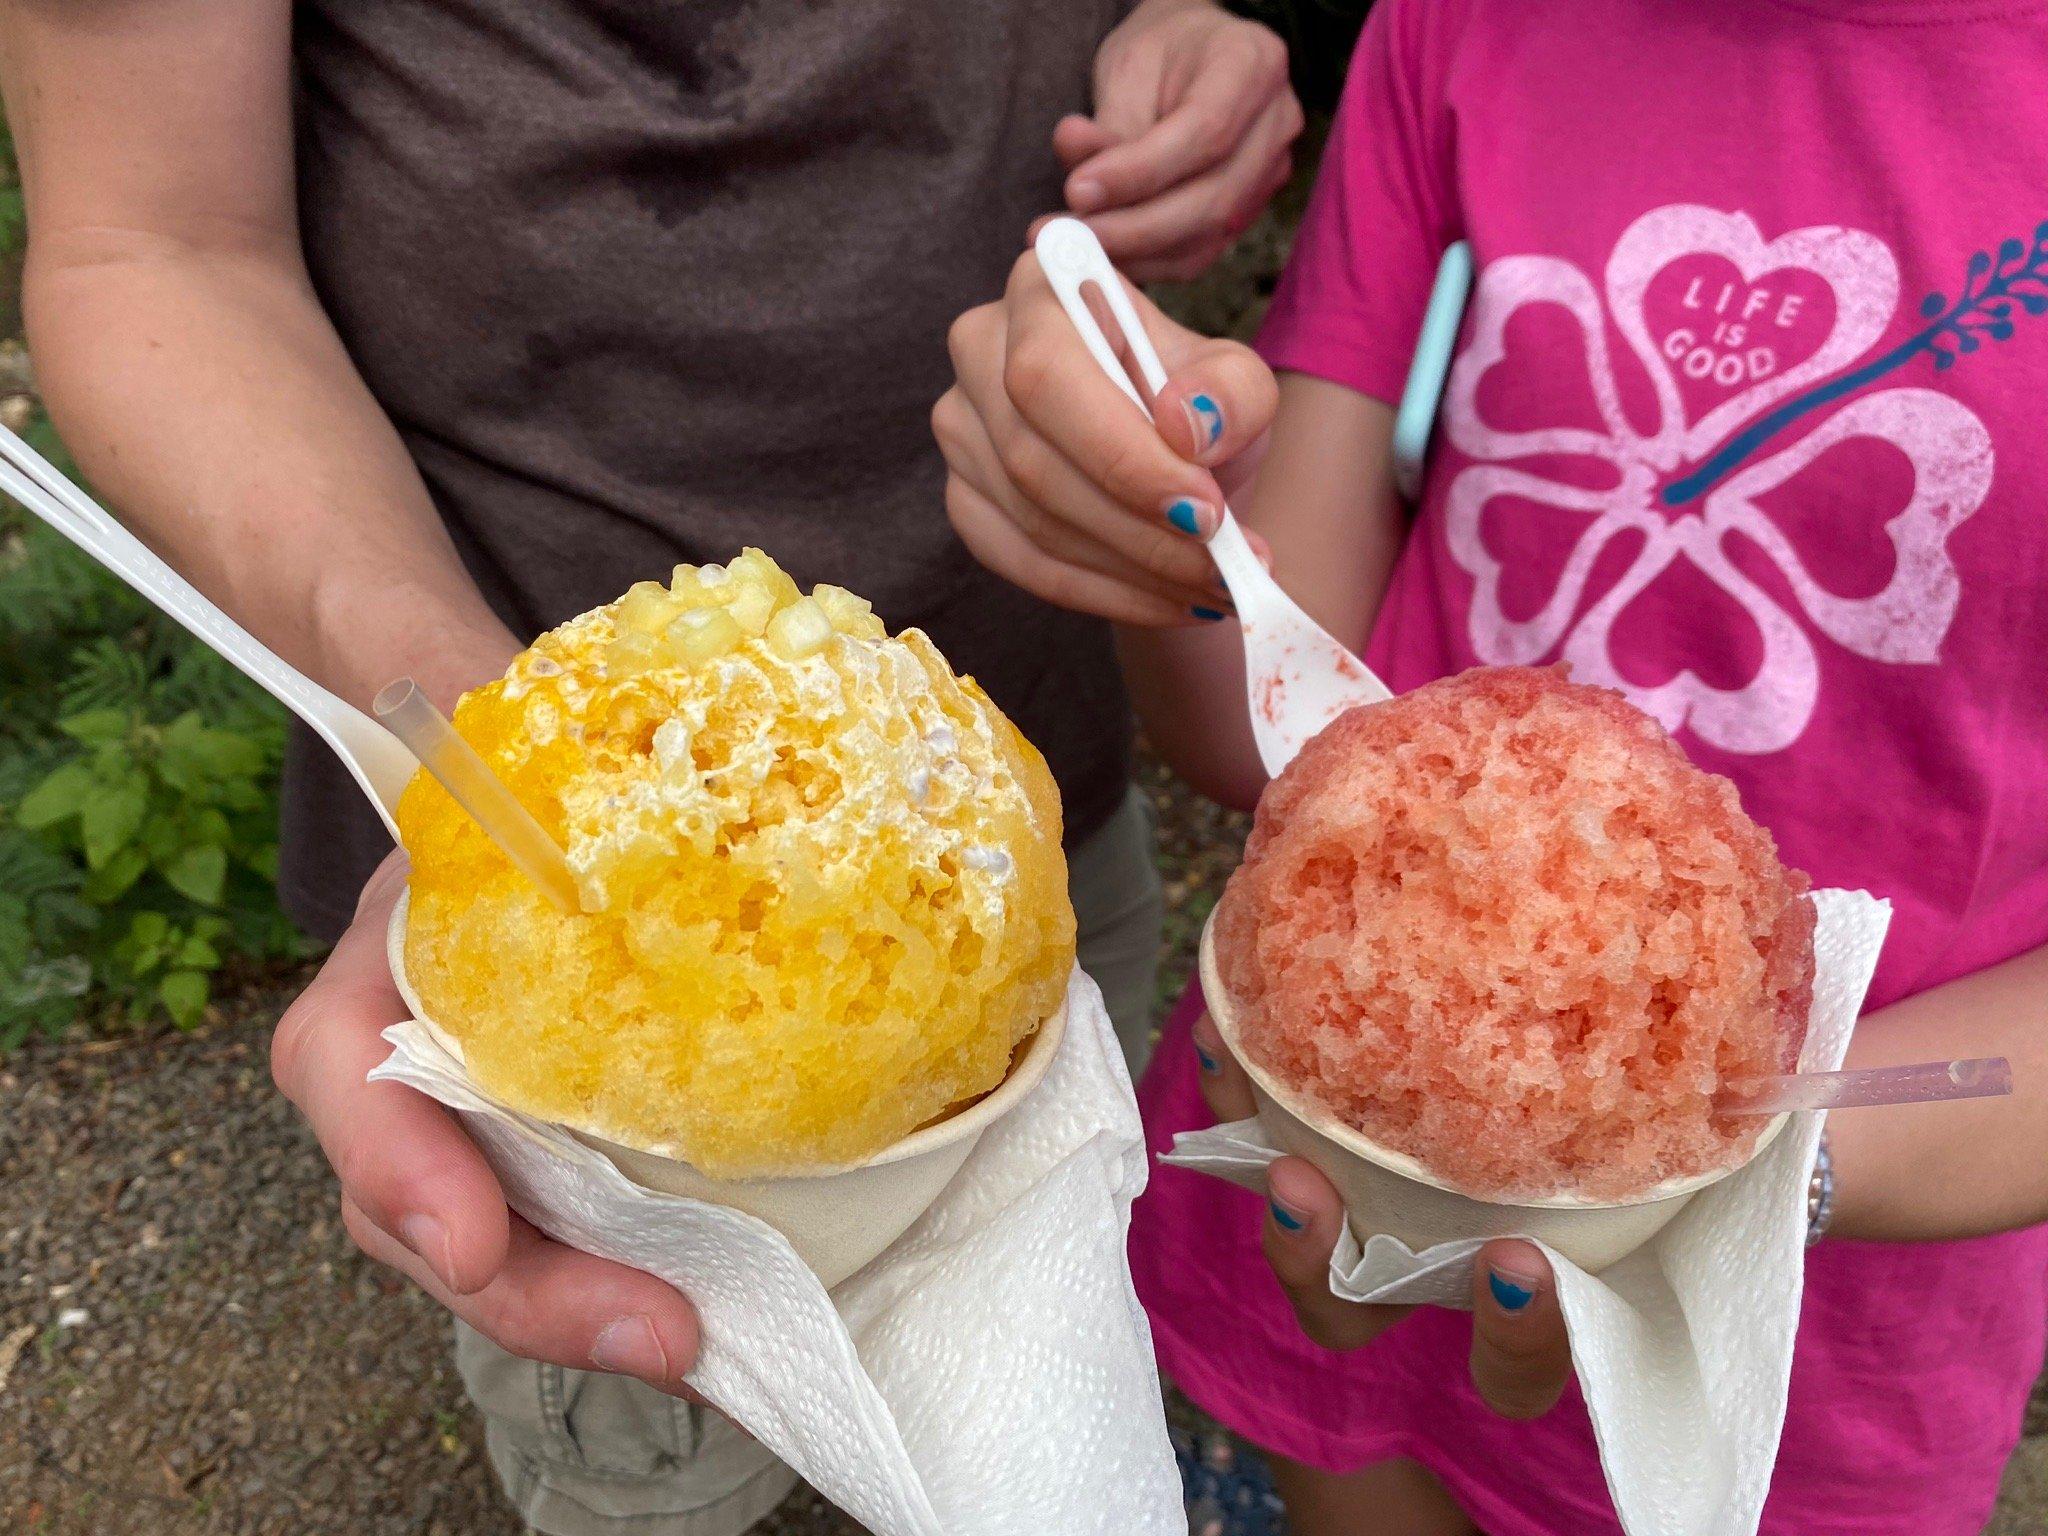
1214,1394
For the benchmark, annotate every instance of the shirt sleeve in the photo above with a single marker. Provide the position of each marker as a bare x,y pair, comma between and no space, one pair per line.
1350,304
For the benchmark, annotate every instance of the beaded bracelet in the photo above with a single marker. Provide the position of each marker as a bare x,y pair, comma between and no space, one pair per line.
1820,1193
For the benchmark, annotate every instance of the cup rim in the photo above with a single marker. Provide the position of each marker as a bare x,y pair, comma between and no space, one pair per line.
1327,1125
1029,1065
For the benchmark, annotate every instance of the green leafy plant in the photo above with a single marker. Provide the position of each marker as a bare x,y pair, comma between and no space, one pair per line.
138,778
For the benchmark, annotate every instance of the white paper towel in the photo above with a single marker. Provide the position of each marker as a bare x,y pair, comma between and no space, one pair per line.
990,1374
1682,1348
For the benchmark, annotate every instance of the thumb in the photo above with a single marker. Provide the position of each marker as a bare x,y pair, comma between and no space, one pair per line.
1304,1217
1521,1356
1218,403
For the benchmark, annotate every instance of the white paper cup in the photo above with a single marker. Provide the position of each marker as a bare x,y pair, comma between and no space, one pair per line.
1388,1191
836,1218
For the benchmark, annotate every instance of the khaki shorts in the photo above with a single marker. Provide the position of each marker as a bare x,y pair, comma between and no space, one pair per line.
584,1454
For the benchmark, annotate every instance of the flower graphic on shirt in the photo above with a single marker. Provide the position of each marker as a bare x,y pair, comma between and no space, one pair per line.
1718,317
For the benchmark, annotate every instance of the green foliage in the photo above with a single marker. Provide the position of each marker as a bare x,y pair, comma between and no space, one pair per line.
138,777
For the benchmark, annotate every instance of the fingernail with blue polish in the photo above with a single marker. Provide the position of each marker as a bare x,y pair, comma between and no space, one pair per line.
1289,1222
1209,1063
1511,1296
1205,416
1188,515
1206,615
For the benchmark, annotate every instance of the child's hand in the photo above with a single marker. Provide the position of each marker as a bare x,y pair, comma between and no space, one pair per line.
1189,140
1057,483
1521,1358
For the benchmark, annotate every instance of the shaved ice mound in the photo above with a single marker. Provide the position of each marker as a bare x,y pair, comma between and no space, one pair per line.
822,898
1502,925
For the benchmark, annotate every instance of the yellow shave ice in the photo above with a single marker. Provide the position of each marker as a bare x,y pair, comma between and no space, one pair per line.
821,887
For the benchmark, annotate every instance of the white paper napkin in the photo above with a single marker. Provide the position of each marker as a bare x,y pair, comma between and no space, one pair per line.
1684,1347
990,1374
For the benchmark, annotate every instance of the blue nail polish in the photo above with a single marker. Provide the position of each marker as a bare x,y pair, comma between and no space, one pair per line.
1512,1297
1209,1063
1208,615
1183,516
1208,418
1289,1222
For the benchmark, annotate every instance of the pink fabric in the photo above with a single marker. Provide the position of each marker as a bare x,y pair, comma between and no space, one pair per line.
1849,619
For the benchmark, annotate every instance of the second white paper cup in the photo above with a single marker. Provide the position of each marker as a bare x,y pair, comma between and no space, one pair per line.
836,1218
1385,1191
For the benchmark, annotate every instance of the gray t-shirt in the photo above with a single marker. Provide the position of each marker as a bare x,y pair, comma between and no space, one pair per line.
642,282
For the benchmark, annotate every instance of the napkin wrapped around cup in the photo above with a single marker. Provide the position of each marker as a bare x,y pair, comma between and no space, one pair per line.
1683,1348
990,1374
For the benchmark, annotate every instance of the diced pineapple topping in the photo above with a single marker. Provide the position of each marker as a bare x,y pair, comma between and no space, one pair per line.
633,653
850,615
701,586
752,607
646,607
799,630
753,567
702,634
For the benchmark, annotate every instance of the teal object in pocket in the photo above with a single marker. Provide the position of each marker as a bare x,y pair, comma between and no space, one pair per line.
1415,419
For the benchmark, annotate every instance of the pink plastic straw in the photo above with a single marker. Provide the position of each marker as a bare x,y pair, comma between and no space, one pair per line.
1982,1077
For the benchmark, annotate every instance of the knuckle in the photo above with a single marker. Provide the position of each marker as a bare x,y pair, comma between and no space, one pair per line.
967,329
1324,1327
1213,138
1028,462
291,1041
962,513
1025,276
360,1168
1523,1397
359,1227
1127,474
1170,555
945,412
1271,53
504,1316
1027,366
1059,584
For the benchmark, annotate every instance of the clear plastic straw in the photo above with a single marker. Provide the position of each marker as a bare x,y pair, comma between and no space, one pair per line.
412,718
1982,1077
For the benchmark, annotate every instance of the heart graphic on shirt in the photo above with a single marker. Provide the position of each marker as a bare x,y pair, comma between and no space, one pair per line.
1855,269
1702,610
1721,333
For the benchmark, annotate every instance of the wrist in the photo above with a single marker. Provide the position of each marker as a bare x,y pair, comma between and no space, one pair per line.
446,642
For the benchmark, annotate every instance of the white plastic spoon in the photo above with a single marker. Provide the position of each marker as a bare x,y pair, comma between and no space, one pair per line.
379,761
1297,677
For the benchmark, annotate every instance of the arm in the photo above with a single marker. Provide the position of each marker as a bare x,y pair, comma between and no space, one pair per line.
1924,1172
1324,502
196,379
183,354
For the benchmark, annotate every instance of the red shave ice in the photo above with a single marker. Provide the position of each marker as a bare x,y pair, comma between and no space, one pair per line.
1501,924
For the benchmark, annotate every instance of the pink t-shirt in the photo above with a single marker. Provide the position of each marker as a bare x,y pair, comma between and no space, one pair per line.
1745,419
